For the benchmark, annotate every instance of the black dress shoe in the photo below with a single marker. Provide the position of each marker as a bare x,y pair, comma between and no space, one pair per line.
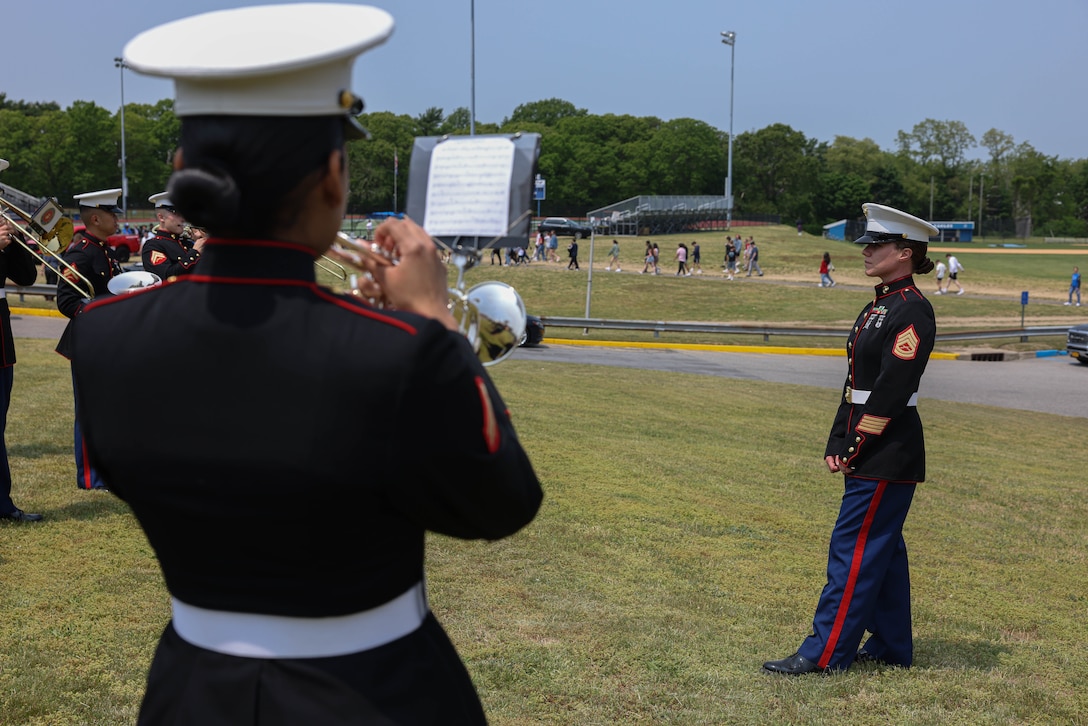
864,656
795,665
20,516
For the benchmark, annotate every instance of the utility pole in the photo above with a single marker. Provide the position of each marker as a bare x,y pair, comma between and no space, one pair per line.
120,63
730,39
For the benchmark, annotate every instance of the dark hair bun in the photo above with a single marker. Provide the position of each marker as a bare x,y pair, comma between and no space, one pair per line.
924,266
206,197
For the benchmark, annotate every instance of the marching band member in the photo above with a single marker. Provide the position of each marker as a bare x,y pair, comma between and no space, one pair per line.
89,254
170,252
876,443
19,266
290,528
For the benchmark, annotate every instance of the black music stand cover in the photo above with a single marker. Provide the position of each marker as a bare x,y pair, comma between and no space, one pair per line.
473,192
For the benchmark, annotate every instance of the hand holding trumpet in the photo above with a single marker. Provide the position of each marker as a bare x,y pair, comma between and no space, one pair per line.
404,271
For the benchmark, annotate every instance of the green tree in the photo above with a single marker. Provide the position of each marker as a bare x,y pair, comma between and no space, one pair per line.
686,157
371,162
937,142
777,172
429,123
547,112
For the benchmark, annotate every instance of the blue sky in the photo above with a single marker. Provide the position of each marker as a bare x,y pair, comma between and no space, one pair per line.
855,68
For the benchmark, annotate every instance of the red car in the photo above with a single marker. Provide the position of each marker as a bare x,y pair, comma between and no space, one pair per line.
122,246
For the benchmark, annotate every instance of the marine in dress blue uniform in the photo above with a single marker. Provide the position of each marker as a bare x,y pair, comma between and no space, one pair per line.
19,266
323,436
89,254
876,441
170,252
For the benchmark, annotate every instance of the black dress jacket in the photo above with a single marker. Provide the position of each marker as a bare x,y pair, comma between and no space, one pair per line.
90,257
19,266
887,352
312,438
169,255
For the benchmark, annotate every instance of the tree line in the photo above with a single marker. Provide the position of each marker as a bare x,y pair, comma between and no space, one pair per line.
590,161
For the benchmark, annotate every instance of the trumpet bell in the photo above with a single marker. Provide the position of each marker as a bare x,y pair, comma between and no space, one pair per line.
132,281
499,320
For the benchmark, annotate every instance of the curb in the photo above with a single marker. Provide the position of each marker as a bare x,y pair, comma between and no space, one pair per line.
39,312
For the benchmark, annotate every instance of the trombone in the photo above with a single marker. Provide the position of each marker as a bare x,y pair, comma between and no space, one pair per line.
45,226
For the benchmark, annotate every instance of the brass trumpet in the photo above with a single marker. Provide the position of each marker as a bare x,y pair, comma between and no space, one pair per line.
491,315
47,226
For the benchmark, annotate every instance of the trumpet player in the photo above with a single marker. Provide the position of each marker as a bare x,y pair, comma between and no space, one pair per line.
170,252
290,527
19,266
89,254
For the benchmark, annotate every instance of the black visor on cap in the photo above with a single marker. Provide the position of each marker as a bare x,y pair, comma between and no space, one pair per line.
876,238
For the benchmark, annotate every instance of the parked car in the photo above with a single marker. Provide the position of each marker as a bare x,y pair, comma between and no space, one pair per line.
564,226
534,332
1076,343
122,246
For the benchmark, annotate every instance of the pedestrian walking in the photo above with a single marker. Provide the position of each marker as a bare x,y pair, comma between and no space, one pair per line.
614,256
826,269
753,259
682,260
954,270
1074,287
648,256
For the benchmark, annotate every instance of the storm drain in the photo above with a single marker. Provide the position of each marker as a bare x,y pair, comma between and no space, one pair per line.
987,356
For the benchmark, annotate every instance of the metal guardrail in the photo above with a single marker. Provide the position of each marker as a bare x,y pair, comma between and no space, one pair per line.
37,289
660,326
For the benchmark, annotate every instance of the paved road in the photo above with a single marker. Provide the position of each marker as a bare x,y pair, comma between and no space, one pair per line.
1049,385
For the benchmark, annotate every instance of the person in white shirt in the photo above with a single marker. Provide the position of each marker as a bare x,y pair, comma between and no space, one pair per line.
942,270
954,268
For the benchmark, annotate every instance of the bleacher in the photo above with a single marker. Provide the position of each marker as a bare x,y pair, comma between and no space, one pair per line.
668,214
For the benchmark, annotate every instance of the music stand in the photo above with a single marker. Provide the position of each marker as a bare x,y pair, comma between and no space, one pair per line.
472,193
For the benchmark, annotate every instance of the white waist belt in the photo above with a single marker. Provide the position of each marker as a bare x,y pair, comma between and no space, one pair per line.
3,293
252,635
858,397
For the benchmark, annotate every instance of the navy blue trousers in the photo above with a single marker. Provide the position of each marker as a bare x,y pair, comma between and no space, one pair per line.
868,580
86,475
6,378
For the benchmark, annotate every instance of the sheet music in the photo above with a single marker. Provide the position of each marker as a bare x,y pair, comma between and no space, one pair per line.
468,187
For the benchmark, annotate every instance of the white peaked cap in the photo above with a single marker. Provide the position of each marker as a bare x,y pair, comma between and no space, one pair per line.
162,199
105,199
883,222
4,164
267,60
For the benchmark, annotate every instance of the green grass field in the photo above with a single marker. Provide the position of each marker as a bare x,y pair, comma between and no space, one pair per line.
682,542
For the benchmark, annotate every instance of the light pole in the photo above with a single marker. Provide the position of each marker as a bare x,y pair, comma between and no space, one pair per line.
472,113
120,63
730,38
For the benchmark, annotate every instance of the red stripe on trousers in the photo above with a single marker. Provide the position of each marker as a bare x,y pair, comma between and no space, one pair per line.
852,578
88,482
